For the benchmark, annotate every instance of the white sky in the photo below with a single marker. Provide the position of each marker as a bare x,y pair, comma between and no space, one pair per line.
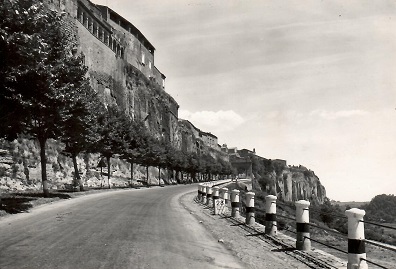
312,82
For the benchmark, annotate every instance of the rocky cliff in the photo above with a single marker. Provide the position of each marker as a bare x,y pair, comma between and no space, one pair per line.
288,183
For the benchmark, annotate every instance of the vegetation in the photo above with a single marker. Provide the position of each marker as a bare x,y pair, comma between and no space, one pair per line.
45,94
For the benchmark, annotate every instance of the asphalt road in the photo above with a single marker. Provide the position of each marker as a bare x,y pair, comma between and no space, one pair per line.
146,228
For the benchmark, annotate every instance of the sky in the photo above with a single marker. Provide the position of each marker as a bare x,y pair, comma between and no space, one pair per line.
311,82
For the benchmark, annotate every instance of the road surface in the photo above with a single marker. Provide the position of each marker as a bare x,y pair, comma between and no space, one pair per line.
146,228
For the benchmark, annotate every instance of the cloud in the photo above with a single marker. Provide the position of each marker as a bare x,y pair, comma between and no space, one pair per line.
213,121
332,115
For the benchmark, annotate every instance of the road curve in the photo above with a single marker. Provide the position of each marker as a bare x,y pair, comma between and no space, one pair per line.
146,228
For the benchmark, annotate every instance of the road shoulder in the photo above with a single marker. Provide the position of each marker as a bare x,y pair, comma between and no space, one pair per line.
254,251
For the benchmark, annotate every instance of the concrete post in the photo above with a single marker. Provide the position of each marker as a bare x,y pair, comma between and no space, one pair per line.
209,192
270,216
199,192
250,213
235,203
302,221
356,246
224,196
203,201
216,201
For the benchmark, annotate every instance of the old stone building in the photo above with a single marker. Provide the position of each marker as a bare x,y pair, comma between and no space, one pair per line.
121,65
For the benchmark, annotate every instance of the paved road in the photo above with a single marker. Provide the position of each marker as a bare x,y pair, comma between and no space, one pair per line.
145,228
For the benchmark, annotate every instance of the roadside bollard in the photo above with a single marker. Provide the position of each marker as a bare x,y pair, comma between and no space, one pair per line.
250,213
203,201
216,200
235,203
356,247
226,197
270,216
302,222
199,192
209,192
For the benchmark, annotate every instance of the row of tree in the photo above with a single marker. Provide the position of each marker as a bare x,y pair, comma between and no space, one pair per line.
45,94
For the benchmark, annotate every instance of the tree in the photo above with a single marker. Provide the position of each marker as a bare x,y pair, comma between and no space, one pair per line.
152,155
113,132
135,142
80,129
35,89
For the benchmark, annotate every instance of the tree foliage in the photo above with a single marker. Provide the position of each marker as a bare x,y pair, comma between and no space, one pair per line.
40,78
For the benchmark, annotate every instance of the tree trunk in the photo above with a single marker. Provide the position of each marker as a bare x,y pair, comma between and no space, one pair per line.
130,183
101,177
108,171
76,173
159,175
147,175
44,167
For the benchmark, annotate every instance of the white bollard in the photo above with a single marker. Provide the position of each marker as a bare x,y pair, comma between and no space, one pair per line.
250,213
216,200
235,203
209,192
302,222
270,215
203,201
225,197
356,246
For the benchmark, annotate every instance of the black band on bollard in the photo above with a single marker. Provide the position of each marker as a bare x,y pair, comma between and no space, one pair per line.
356,246
209,195
235,204
216,197
250,209
302,227
203,193
270,217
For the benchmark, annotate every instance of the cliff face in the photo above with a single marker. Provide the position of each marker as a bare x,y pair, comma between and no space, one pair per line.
292,184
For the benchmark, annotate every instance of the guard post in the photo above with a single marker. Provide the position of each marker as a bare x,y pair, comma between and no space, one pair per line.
235,204
216,204
356,246
209,192
270,215
250,212
302,222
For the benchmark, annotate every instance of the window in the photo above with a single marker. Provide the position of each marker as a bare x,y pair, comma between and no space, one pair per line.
106,38
95,29
150,64
101,34
143,58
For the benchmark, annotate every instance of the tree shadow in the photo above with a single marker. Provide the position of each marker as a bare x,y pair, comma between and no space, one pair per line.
283,249
14,205
41,195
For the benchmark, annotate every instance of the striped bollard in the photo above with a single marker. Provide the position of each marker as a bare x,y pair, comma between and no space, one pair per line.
199,192
203,201
356,247
250,213
209,192
270,215
216,201
302,222
235,203
225,197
